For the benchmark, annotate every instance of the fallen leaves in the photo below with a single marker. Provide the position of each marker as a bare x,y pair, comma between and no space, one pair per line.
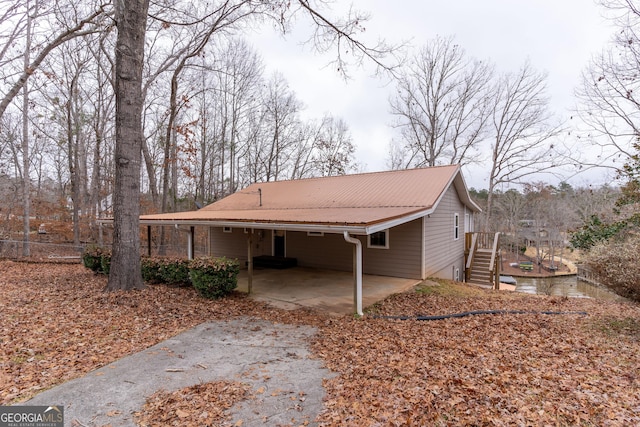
195,406
505,369
56,323
488,370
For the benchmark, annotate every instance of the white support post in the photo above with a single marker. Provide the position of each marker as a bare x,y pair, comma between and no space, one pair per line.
249,261
190,242
357,272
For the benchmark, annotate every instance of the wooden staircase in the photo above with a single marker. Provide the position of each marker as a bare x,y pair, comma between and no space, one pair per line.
482,260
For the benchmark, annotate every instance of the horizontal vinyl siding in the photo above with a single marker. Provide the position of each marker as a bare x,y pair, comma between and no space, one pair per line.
234,245
402,259
330,251
442,253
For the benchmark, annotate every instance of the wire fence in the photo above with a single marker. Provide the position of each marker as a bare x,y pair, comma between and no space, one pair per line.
69,253
39,251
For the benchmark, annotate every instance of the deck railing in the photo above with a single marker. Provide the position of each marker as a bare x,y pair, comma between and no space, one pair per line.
585,274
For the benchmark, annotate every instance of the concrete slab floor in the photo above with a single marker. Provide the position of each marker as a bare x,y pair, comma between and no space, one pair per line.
327,290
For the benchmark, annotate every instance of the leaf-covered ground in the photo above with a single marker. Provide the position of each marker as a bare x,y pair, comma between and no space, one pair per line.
504,369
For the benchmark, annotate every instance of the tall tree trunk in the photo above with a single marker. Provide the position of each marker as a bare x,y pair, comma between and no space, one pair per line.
131,21
26,183
72,147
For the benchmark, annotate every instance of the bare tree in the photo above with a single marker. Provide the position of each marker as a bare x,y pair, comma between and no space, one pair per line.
333,148
609,93
441,103
282,124
26,170
522,129
19,13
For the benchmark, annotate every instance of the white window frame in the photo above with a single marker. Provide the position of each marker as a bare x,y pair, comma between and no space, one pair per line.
456,226
227,230
386,240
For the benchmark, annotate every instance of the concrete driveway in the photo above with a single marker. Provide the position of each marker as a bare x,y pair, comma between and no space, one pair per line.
327,290
273,359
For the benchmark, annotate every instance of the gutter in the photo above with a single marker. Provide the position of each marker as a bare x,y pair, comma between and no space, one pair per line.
357,260
352,229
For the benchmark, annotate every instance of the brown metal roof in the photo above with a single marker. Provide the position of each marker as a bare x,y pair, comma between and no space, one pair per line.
348,200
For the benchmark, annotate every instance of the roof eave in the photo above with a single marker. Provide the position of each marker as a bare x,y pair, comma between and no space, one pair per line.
324,228
381,226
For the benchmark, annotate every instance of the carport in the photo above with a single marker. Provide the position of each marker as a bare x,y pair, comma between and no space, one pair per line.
328,290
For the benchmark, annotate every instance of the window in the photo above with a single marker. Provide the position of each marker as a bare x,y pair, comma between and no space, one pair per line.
315,233
379,240
227,229
456,226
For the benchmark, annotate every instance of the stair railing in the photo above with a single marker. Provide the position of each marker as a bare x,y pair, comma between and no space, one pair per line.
494,266
471,253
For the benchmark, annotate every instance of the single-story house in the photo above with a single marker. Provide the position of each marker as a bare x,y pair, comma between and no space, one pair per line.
405,223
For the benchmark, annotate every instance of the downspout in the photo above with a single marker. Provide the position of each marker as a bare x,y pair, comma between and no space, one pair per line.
357,271
191,242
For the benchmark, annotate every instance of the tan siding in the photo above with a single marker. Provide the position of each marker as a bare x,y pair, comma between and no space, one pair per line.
402,259
234,245
442,253
330,251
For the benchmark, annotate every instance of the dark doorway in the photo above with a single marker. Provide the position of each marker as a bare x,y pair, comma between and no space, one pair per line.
279,243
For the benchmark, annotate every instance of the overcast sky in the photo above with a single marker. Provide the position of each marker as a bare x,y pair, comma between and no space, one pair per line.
557,36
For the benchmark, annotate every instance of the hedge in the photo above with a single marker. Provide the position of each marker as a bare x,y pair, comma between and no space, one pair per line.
170,271
211,277
214,277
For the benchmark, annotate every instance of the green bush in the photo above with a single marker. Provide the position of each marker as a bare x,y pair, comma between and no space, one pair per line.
150,268
105,262
170,271
214,277
92,258
211,277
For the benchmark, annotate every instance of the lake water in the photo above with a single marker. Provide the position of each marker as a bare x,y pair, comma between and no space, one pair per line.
568,286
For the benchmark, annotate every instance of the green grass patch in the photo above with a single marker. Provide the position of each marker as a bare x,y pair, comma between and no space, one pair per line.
613,326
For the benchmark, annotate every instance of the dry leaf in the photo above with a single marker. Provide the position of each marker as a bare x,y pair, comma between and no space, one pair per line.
182,414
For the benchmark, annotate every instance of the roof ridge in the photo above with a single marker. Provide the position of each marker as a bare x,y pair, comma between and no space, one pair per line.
392,171
262,208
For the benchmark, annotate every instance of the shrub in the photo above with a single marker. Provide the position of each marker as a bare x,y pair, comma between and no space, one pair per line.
174,271
92,258
170,271
105,262
150,268
615,265
214,277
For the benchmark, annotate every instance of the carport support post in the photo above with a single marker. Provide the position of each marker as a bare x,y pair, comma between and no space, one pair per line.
190,242
148,240
357,272
249,260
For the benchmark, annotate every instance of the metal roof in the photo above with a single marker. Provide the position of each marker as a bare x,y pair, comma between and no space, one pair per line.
360,203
